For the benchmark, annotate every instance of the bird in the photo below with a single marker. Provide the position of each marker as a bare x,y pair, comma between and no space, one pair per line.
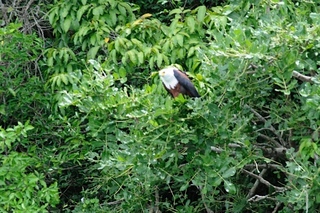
177,82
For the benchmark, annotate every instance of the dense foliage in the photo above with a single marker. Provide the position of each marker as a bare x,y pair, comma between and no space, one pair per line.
86,125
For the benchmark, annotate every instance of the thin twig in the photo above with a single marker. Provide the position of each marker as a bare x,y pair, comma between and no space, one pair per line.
277,207
216,149
156,205
4,13
272,129
270,139
257,198
115,202
234,145
281,151
231,145
204,202
265,182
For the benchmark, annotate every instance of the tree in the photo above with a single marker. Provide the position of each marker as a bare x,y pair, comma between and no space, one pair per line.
118,142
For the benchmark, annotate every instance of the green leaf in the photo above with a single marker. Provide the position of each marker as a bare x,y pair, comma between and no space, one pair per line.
159,60
97,11
28,127
216,181
65,10
184,187
12,91
315,17
132,56
66,24
122,10
122,72
93,52
191,23
95,64
81,11
229,187
113,17
136,42
140,58
201,13
151,62
166,30
165,46
191,52
117,45
112,3
69,68
2,109
93,39
64,78
229,173
175,11
180,39
53,15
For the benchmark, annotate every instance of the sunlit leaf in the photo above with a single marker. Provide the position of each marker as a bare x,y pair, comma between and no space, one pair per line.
229,187
229,173
201,13
66,24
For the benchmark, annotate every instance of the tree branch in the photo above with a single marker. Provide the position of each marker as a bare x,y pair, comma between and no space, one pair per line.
302,77
231,145
263,166
270,139
156,205
255,185
115,202
276,208
278,151
272,129
265,182
257,198
208,210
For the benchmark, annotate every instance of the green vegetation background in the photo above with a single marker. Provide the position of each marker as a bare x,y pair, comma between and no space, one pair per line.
86,125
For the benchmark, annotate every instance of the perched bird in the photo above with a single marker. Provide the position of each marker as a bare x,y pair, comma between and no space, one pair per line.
176,82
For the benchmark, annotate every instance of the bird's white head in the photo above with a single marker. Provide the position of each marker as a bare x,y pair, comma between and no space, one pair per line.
168,78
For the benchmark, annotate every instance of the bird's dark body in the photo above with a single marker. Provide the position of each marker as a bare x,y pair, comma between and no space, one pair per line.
184,85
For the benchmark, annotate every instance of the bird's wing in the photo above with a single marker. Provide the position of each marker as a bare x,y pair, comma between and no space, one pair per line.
186,83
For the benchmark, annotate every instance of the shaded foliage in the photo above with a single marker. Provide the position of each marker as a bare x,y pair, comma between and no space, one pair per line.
162,8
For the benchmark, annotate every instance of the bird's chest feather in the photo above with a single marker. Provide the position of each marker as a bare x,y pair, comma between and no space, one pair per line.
170,83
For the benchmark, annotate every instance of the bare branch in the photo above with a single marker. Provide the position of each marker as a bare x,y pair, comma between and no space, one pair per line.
156,205
276,208
257,198
265,182
255,185
263,166
270,139
272,129
302,77
234,145
231,145
115,202
4,12
278,151
216,149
